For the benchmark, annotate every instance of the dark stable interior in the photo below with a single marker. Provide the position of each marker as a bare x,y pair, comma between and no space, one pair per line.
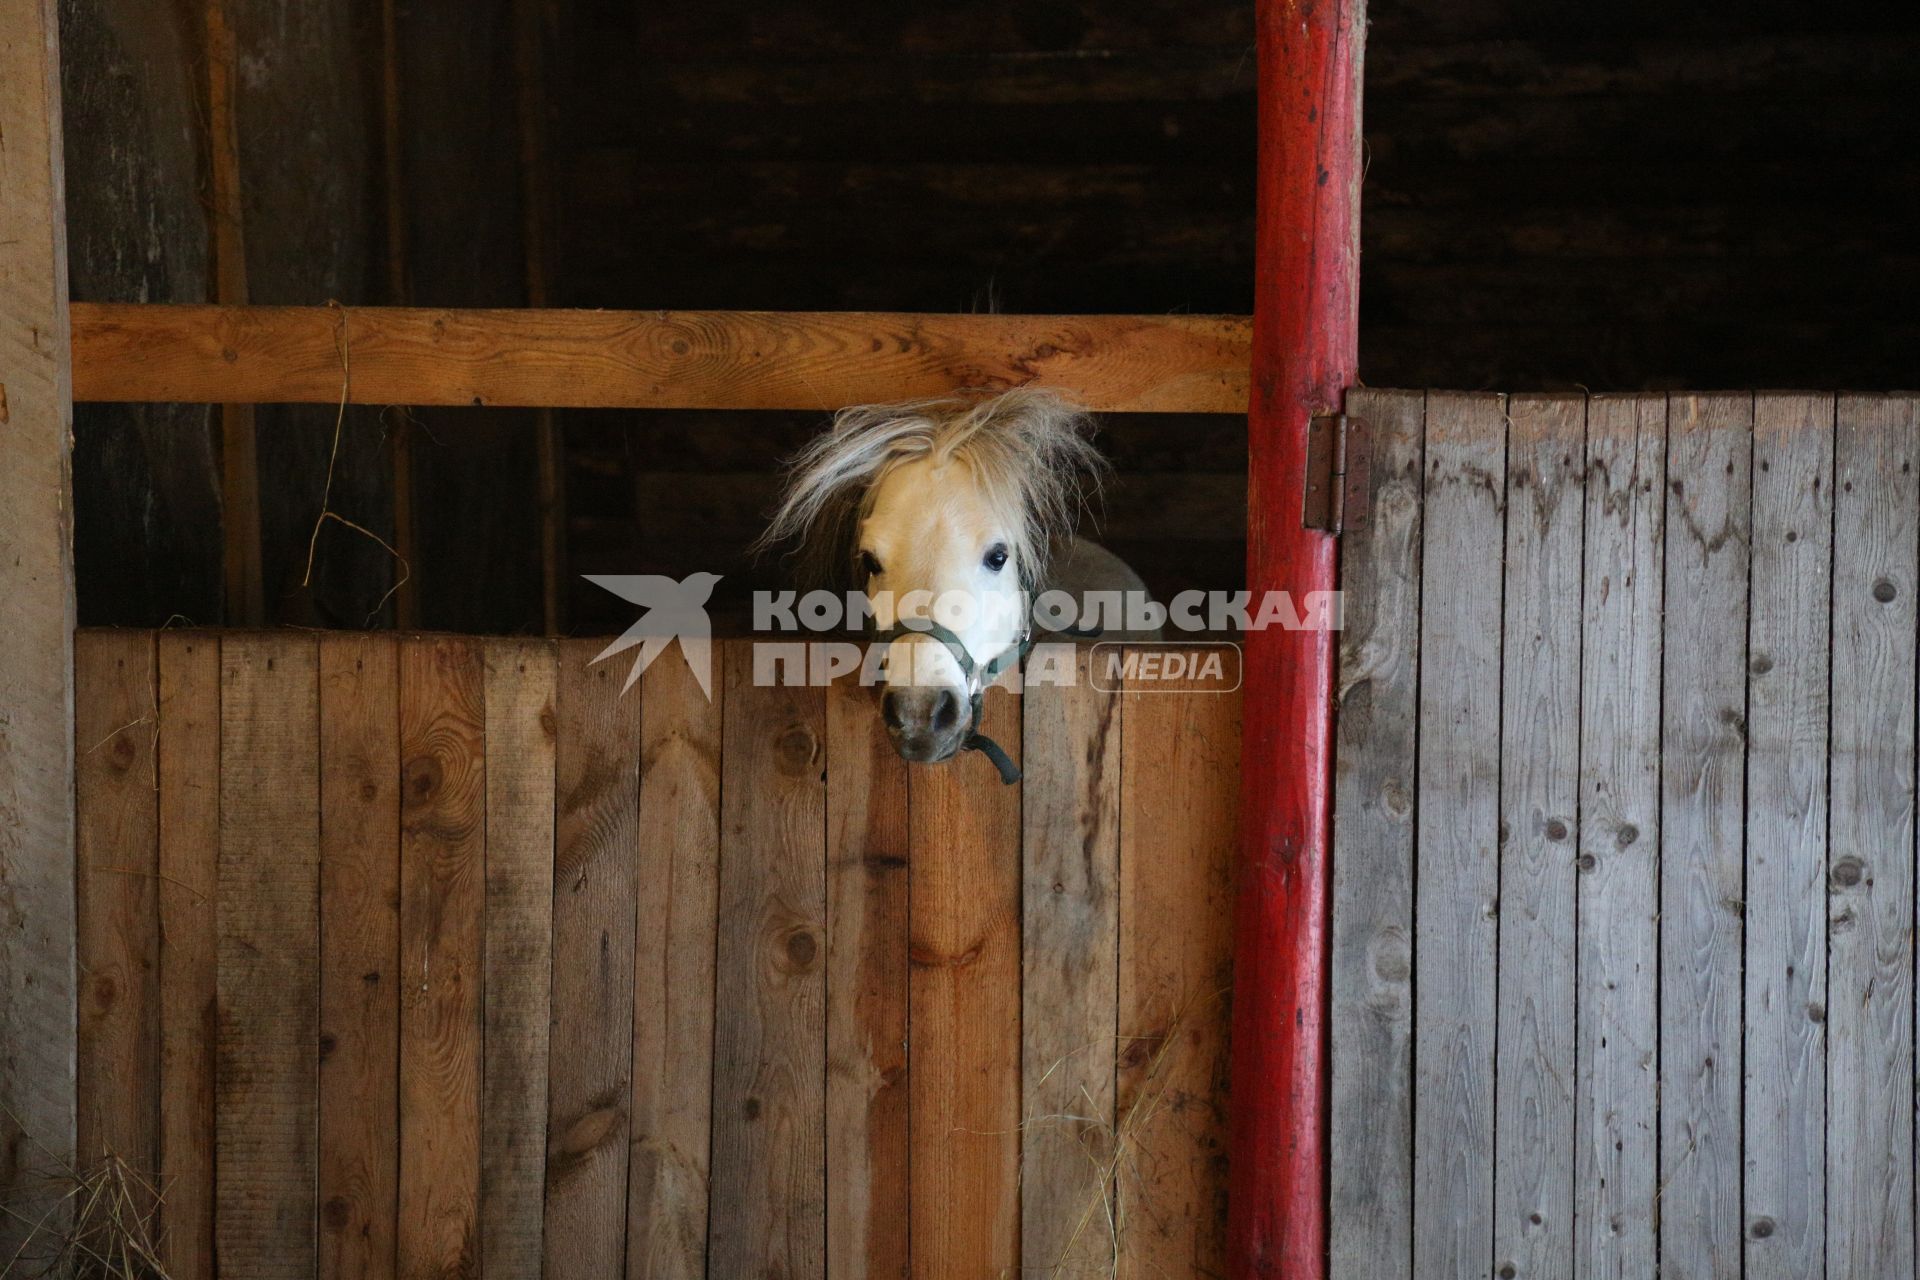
1558,194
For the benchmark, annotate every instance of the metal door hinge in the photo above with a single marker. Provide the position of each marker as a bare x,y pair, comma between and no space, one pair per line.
1338,448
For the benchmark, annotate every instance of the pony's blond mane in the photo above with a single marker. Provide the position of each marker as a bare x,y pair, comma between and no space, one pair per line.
1030,451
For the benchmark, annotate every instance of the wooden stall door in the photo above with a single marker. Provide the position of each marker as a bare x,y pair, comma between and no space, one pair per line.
429,955
1623,903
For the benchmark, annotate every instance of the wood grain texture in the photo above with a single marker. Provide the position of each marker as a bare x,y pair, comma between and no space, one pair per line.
268,904
1870,989
535,35
1370,1198
768,1214
1306,301
300,90
867,980
359,956
1539,819
1784,1059
1069,973
679,871
1615,1152
521,735
475,505
964,1066
1180,754
189,856
393,229
147,518
119,939
38,978
245,588
1457,831
271,735
442,905
1703,737
589,1080
655,359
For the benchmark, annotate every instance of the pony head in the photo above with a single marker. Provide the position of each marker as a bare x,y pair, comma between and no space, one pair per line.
945,512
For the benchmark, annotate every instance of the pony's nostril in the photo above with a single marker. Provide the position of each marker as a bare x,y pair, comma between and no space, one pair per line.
890,710
946,712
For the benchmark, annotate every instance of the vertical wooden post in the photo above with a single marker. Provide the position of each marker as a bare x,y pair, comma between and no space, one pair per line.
37,925
534,22
246,602
406,595
1306,311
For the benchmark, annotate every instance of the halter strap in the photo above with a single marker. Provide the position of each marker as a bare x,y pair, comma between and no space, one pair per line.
978,678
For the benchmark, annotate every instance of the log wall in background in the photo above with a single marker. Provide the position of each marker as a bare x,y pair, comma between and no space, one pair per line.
1557,195
1626,196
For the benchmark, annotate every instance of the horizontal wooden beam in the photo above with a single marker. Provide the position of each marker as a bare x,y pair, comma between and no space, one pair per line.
648,359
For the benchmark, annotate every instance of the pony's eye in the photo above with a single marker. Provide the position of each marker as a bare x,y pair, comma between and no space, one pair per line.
996,558
871,563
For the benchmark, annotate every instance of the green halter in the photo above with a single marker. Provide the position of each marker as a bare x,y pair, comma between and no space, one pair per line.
978,678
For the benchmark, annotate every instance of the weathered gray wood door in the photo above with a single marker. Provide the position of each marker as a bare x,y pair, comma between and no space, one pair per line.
1624,839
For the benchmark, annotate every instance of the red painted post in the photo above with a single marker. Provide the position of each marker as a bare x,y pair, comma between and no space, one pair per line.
1305,340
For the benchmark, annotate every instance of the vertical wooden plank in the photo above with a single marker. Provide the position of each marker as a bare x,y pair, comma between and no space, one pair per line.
475,507
1870,988
1179,810
1615,1174
359,955
119,942
1370,1201
673,972
1703,717
519,911
268,909
189,859
393,230
246,603
1458,881
300,87
1785,1052
147,517
964,993
442,875
534,38
1539,810
867,977
1069,972
596,842
38,980
768,1213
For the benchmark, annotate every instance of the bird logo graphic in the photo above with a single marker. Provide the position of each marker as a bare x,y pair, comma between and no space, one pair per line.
671,611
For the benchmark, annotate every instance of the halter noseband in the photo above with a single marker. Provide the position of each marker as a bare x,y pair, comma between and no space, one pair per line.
977,678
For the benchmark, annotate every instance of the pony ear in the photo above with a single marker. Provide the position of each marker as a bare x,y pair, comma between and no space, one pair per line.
814,528
824,558
818,516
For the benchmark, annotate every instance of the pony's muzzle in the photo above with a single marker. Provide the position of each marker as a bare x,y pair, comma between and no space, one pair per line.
925,723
